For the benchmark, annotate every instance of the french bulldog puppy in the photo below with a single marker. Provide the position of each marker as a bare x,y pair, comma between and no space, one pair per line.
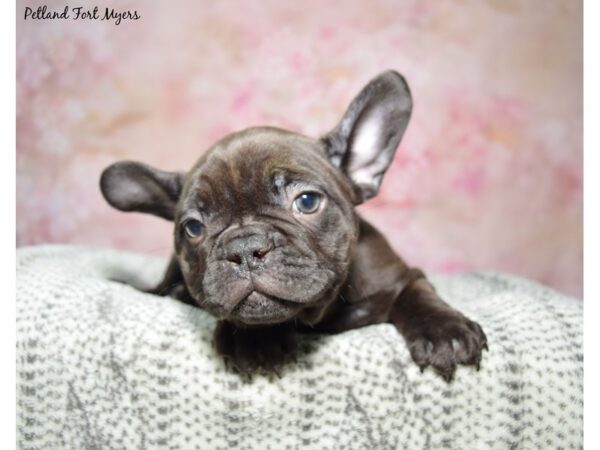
267,239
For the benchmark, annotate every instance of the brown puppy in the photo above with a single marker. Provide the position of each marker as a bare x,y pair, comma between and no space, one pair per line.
267,239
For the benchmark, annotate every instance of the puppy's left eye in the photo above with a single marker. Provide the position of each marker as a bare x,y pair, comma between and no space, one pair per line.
307,202
193,228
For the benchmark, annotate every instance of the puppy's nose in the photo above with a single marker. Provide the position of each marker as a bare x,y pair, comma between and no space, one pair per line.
248,250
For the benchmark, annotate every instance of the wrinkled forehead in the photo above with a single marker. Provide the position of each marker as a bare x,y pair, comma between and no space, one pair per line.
247,169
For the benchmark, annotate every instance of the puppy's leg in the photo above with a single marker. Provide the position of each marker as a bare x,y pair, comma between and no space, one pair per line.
173,285
436,334
251,350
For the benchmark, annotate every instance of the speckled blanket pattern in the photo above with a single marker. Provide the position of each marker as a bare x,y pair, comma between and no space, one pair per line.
101,365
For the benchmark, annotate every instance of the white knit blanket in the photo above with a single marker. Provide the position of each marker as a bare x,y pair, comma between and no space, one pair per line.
101,365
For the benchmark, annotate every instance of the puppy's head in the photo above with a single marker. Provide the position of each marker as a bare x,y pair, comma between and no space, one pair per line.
264,222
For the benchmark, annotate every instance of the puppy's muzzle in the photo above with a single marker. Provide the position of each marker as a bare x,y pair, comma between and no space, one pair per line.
248,252
248,247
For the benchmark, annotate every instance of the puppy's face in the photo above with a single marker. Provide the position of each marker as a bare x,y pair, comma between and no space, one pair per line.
264,227
264,222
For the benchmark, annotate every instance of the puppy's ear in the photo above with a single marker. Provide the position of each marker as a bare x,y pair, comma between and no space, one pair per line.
133,186
364,142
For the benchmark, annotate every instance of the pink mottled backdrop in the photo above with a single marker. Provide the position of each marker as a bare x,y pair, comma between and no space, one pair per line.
488,176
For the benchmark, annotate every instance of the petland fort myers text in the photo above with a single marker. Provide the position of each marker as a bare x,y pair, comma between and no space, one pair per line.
81,13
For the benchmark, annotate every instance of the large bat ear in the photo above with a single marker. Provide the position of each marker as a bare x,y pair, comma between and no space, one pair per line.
133,186
364,142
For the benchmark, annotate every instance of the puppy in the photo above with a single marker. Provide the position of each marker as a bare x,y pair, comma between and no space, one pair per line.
267,239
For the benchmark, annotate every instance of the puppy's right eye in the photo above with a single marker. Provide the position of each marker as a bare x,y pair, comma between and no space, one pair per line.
307,203
193,228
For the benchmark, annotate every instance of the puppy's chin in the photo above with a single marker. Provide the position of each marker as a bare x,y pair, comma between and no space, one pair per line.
261,309
249,305
284,285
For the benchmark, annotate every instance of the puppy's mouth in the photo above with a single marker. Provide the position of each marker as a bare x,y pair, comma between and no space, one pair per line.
278,290
260,308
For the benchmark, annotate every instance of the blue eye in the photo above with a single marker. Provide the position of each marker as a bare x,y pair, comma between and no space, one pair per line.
307,202
193,228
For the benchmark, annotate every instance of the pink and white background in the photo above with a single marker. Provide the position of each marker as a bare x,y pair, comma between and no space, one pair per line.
488,176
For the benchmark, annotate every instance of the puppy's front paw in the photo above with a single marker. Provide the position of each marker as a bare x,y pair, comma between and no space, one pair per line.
443,340
257,350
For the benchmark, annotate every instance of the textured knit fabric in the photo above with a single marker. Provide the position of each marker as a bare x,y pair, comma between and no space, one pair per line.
101,365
